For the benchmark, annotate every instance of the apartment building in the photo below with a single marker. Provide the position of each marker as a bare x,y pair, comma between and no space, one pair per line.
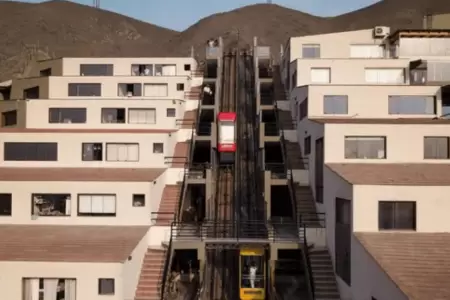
371,112
87,148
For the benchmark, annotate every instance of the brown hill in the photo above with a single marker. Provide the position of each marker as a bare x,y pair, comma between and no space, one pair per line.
62,28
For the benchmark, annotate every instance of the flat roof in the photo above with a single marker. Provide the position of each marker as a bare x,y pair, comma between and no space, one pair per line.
424,33
400,121
72,130
62,243
80,174
418,263
420,174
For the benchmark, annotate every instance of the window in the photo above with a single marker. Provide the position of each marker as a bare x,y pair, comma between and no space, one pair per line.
9,118
50,204
187,67
307,142
129,90
412,105
303,109
96,205
122,152
49,288
66,115
155,90
96,70
142,70
106,286
320,75
366,51
171,112
30,151
311,51
5,204
294,80
335,105
343,234
138,200
180,86
92,151
85,89
113,115
46,72
158,148
396,215
436,147
385,76
165,70
142,116
31,93
362,147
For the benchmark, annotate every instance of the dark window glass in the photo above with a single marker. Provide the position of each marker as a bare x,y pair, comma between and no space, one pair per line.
92,151
31,93
67,115
30,151
129,89
50,205
158,148
171,112
96,69
307,145
412,105
396,215
46,72
138,200
5,204
106,286
187,67
9,118
343,234
85,89
180,86
436,147
113,115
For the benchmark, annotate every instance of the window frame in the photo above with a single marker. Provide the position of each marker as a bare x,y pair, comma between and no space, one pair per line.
68,208
158,144
108,70
425,138
307,145
187,67
332,100
138,197
7,115
122,144
355,137
312,69
315,47
137,89
59,111
170,115
395,215
343,232
103,114
91,214
180,87
393,107
83,156
35,152
100,286
137,109
5,209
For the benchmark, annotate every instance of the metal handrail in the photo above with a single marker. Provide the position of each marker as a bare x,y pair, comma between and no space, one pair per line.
167,265
309,275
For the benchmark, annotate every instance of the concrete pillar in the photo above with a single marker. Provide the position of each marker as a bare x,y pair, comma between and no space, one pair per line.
201,256
272,264
262,127
209,191
267,196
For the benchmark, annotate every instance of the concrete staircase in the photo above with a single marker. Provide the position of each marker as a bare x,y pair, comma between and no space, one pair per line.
193,94
306,206
294,154
324,278
285,120
149,281
168,205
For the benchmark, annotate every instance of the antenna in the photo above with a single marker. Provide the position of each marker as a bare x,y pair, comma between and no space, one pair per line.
96,3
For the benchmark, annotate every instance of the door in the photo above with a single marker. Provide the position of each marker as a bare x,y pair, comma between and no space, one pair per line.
319,161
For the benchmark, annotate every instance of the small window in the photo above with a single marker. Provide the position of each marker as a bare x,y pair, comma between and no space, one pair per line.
307,145
85,89
46,72
122,152
138,200
51,205
335,105
436,147
187,67
129,90
113,115
142,70
9,118
5,204
97,205
180,86
66,115
92,152
320,75
142,116
396,215
412,105
106,286
311,51
171,112
303,109
158,148
31,93
96,70
365,147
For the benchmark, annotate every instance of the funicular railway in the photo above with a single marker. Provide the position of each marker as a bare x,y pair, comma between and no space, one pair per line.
242,242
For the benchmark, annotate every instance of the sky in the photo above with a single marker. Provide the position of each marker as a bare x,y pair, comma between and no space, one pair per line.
180,14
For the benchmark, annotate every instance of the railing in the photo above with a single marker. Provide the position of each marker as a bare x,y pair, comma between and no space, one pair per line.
277,170
164,279
312,219
196,171
271,129
308,273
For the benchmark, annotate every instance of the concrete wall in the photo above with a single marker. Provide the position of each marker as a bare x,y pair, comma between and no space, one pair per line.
132,269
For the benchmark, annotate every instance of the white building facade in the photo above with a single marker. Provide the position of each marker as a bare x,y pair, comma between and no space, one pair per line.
371,112
86,146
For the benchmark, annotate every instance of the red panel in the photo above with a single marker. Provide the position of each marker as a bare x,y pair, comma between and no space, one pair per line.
226,116
226,147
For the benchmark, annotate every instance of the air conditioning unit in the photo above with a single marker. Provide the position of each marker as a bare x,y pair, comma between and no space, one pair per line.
381,31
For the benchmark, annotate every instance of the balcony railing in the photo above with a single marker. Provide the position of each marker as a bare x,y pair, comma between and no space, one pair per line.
278,170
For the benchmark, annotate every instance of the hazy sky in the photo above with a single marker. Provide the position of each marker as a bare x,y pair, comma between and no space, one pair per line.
180,14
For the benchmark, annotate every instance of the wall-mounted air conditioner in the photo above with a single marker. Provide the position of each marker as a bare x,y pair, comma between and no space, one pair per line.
381,32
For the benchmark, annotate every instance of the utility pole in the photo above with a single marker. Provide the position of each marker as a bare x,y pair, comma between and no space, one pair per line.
96,3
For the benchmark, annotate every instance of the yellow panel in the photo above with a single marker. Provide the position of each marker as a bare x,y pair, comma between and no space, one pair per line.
252,252
252,294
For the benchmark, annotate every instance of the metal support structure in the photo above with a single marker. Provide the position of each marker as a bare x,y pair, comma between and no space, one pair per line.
96,3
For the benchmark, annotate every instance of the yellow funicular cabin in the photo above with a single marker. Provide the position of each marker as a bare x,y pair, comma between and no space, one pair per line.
252,266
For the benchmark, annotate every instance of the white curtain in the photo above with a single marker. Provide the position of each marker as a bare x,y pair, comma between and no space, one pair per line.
122,152
366,51
69,289
380,76
320,75
122,90
84,204
169,70
50,289
155,90
142,116
31,289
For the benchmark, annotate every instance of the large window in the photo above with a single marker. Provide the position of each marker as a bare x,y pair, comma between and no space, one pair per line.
113,115
96,70
412,105
385,76
5,204
49,288
122,152
165,70
66,115
311,51
366,51
9,118
30,151
436,147
343,233
142,116
50,204
365,147
320,75
335,105
92,151
85,89
129,89
142,70
96,205
396,215
155,90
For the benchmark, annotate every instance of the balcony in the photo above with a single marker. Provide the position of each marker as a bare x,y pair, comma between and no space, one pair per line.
423,72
